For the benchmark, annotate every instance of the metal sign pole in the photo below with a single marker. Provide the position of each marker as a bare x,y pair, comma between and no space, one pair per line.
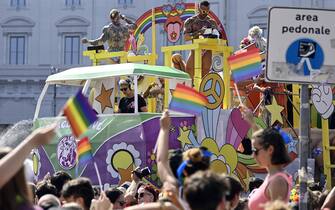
304,144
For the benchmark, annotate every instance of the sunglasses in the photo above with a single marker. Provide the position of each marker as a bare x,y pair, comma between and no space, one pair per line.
123,89
256,151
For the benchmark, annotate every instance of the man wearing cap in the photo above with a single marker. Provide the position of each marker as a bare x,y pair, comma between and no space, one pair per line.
116,33
127,104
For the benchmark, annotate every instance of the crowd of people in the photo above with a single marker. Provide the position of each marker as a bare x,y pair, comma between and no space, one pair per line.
187,181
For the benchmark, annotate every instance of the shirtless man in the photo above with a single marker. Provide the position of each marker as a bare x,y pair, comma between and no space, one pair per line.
116,33
193,28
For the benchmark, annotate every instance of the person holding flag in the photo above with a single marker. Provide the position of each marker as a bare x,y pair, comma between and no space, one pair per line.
80,115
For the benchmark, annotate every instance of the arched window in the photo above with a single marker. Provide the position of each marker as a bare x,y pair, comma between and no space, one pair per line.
17,32
70,31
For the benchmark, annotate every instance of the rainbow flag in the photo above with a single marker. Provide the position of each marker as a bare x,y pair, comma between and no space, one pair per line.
79,114
245,65
84,151
187,100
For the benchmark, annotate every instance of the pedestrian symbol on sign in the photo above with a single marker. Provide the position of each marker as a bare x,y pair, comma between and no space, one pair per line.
306,49
306,55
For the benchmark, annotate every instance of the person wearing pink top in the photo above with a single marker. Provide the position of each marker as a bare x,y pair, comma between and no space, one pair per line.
270,152
329,203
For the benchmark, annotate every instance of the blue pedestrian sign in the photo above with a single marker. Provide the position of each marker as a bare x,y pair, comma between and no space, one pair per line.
306,55
301,46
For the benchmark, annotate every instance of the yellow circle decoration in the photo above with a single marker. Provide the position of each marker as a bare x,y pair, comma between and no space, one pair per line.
122,159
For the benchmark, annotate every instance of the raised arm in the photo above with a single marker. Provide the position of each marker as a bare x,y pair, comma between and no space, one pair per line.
99,41
147,91
12,162
164,171
130,23
248,116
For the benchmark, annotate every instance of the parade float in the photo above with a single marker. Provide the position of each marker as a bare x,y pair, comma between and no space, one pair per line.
122,142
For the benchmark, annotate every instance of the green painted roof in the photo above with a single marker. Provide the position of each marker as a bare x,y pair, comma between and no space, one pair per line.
76,76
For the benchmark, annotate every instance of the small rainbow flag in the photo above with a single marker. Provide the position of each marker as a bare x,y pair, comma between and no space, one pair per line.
79,114
84,151
245,65
188,100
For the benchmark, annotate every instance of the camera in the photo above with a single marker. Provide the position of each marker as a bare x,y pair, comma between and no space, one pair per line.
142,172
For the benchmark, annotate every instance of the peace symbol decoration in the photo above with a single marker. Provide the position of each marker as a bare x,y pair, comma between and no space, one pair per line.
212,87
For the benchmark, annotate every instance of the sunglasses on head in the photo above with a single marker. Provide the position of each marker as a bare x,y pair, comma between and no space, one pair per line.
256,151
123,89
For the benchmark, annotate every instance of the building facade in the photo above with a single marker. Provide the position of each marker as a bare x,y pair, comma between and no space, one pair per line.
42,37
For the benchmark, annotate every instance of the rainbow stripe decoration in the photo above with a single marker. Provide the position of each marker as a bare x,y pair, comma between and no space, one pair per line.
145,21
245,64
79,114
188,100
84,151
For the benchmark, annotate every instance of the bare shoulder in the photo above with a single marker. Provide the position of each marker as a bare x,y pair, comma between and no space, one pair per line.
189,20
105,28
278,188
278,181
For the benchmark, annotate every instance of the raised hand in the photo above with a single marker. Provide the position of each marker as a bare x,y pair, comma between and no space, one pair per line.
102,203
248,116
165,121
42,136
84,40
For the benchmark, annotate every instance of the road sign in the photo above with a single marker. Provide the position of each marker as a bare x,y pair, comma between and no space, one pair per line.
301,45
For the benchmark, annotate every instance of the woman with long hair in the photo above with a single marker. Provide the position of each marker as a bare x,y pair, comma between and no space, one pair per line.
270,152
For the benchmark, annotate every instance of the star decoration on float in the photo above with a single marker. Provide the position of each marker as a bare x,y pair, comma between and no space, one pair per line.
275,111
292,146
104,98
184,137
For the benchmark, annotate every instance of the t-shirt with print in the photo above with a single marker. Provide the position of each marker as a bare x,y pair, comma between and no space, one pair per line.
127,104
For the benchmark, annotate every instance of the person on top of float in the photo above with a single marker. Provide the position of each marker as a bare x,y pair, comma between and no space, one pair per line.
195,27
116,33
